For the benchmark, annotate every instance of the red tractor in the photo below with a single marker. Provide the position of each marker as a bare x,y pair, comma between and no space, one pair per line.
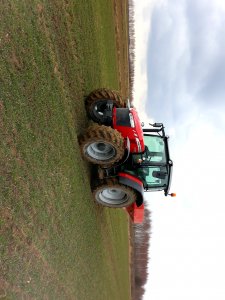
131,160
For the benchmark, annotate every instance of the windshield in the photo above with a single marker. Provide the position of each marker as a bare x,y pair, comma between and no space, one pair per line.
155,148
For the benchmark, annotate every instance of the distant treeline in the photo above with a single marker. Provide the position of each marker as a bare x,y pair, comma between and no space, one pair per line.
131,42
141,246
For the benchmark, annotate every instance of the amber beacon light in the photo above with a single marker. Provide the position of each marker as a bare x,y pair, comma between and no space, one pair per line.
173,194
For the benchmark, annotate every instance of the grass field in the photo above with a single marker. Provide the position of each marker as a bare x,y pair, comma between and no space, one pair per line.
55,242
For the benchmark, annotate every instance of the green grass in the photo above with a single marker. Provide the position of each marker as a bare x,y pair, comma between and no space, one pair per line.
55,242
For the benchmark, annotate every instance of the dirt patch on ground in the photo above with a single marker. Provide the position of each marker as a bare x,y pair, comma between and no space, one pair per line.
15,61
1,114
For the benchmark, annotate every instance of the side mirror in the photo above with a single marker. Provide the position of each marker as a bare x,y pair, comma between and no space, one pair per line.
157,125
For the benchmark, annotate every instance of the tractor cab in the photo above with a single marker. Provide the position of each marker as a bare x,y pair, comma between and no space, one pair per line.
153,166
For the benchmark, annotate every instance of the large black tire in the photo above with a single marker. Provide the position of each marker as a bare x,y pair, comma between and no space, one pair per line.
111,193
102,145
96,103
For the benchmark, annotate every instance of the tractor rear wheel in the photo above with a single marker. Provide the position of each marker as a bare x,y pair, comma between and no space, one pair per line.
96,103
113,194
102,145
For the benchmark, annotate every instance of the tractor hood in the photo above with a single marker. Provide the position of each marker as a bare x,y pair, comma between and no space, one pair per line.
127,122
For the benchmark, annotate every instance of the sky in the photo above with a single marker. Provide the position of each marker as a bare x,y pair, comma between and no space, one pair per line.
180,81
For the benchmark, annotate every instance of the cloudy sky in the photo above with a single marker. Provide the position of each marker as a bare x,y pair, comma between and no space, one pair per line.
180,81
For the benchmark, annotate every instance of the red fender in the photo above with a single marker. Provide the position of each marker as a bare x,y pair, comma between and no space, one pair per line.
135,183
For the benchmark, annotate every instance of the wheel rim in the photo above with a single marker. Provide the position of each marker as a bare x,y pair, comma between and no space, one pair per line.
101,151
113,196
99,109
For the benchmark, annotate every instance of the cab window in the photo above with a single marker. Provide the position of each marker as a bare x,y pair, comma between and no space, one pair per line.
155,148
153,176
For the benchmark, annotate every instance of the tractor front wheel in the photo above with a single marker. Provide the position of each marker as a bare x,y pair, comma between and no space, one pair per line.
96,103
102,145
110,193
